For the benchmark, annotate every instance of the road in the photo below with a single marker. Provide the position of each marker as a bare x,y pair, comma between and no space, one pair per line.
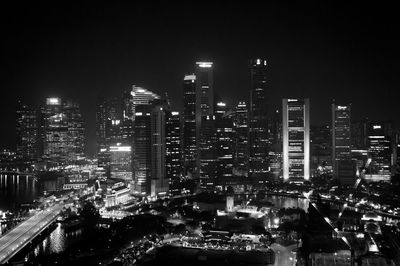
284,255
17,238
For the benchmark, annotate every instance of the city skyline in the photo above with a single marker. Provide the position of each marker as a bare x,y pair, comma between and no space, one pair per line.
313,52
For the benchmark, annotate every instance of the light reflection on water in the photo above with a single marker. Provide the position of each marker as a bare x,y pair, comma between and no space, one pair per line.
56,242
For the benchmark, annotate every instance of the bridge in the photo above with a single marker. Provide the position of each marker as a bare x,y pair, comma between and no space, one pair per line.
16,239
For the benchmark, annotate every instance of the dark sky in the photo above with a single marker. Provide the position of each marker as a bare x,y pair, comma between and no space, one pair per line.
349,52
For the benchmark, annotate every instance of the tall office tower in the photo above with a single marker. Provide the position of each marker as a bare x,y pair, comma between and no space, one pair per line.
159,179
296,139
173,150
63,131
142,148
204,100
379,151
224,149
258,123
208,153
240,140
359,134
76,130
26,132
189,125
342,165
275,152
139,96
121,161
127,106
396,154
108,122
320,150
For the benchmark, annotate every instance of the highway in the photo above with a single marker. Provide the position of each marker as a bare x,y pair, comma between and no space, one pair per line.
17,238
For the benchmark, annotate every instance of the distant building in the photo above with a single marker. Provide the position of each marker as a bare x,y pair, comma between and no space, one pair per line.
343,166
320,149
240,139
173,147
208,153
159,179
189,124
27,134
138,96
379,148
296,139
142,148
204,100
258,121
121,162
62,131
119,194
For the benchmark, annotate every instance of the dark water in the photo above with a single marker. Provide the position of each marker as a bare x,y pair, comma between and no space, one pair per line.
16,190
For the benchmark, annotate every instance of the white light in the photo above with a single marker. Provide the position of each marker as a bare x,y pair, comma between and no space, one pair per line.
139,114
377,127
175,113
221,104
204,64
292,100
190,77
120,148
53,101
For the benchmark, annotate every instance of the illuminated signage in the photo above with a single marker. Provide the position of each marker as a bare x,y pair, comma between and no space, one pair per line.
120,148
221,104
190,77
204,64
377,127
53,101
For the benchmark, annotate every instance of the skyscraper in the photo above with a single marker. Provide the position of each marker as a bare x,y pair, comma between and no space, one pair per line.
173,150
342,165
204,100
189,124
26,132
258,123
142,148
63,131
379,150
139,96
296,139
159,179
240,140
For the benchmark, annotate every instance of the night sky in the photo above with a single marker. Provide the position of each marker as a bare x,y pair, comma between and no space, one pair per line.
349,52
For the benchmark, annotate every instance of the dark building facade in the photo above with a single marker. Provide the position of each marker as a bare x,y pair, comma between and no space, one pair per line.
258,121
189,125
27,133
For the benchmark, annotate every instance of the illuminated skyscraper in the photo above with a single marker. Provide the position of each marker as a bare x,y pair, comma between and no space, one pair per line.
379,150
63,131
258,122
142,148
159,179
189,124
121,161
204,100
296,139
139,96
27,132
240,140
173,150
342,165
